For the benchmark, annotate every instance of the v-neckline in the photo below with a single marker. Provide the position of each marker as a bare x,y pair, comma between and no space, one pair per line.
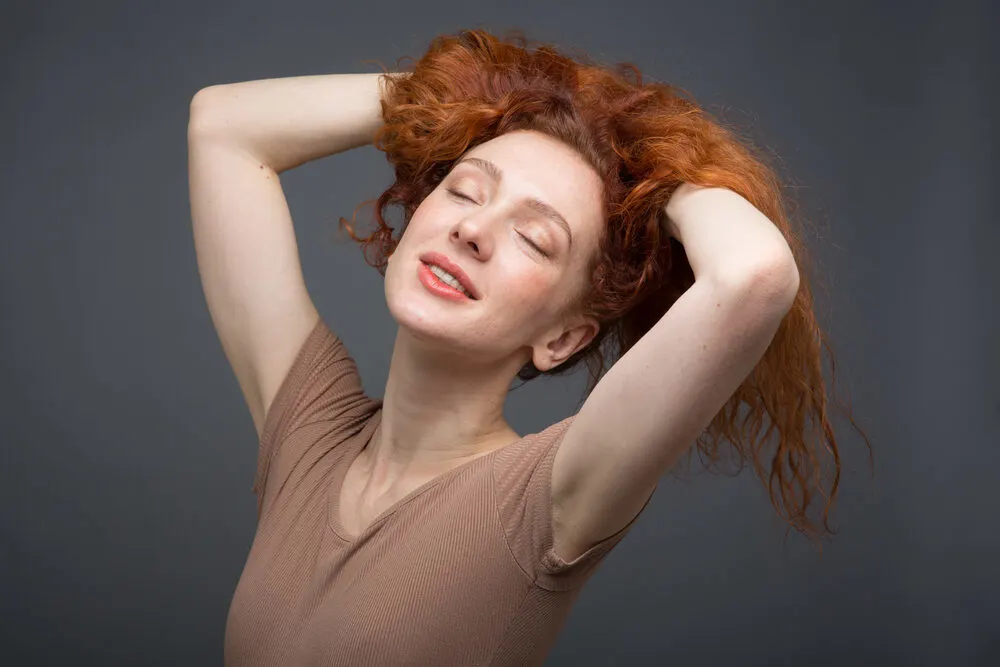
337,485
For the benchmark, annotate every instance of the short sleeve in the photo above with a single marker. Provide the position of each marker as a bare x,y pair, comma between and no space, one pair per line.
320,398
522,476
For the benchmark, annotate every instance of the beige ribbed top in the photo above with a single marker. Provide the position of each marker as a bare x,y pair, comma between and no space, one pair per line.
459,572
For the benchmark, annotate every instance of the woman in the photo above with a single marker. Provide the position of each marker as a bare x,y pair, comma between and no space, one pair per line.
552,206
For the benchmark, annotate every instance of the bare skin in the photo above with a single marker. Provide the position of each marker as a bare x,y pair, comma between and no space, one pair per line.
453,362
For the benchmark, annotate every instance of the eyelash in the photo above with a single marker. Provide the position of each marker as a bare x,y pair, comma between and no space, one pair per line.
456,193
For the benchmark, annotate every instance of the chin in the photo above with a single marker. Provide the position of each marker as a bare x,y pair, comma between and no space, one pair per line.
416,312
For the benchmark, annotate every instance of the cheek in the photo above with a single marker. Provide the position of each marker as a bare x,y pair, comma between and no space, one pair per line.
531,295
424,217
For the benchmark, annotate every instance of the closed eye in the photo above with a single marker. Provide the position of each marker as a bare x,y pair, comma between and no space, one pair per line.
533,244
459,195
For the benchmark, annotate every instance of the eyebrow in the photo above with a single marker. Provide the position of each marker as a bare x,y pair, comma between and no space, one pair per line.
494,172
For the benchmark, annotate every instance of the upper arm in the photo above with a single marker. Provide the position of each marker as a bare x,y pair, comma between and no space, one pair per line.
248,261
655,401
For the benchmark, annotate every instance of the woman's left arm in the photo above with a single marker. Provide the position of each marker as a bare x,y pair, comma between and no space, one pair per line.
651,405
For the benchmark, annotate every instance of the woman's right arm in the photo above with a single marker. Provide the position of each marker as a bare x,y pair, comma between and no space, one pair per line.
287,122
240,137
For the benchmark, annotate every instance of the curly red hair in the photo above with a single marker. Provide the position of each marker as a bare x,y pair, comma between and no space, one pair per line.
644,140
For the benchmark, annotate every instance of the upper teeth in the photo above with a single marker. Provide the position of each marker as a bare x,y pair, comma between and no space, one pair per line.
449,279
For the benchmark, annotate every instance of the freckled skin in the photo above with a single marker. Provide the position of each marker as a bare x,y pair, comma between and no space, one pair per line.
522,290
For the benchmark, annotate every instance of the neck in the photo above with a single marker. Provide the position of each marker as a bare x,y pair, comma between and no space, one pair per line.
439,410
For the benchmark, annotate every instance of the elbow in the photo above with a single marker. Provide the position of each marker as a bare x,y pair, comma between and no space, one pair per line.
203,112
197,113
774,281
778,284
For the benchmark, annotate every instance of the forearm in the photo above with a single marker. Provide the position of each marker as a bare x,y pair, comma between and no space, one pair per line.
289,121
725,237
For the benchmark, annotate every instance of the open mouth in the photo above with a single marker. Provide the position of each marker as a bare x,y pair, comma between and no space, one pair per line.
437,281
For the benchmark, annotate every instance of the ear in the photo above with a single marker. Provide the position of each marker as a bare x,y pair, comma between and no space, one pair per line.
560,345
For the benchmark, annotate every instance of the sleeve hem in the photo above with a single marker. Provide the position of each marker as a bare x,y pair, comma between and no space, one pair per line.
559,574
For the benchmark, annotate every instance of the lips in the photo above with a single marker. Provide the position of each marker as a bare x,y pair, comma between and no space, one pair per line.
442,261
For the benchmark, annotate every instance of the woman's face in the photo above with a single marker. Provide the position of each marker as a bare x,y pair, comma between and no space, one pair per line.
488,221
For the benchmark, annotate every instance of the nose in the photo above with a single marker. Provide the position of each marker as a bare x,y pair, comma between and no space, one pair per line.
475,233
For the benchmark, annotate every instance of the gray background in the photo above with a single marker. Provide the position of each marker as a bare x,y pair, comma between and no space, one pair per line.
128,452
